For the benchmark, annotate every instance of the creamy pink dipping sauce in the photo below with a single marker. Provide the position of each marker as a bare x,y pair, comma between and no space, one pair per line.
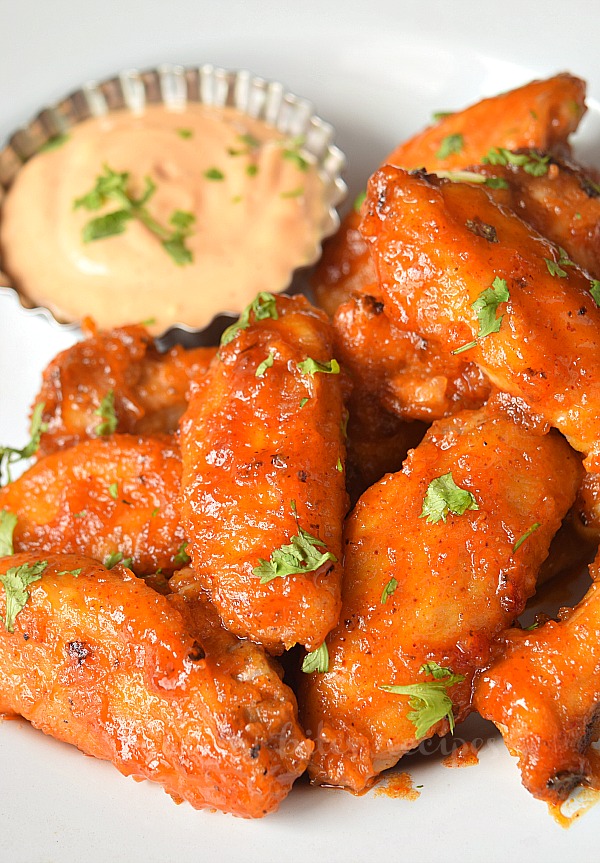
259,213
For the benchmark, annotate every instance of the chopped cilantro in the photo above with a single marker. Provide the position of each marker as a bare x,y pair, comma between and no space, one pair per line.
388,590
116,557
11,455
214,174
266,364
16,581
485,307
312,367
429,701
449,145
8,522
182,558
317,660
303,401
54,143
113,490
262,306
359,201
444,496
555,268
526,535
293,193
74,572
107,414
531,162
297,558
186,134
252,170
339,466
112,186
595,291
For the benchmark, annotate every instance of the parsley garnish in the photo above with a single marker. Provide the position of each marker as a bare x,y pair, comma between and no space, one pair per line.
444,496
449,145
316,660
526,535
297,558
531,162
16,581
54,143
266,364
430,701
555,268
485,307
112,186
8,522
293,193
214,174
182,558
10,455
595,291
116,557
107,414
359,201
263,306
312,367
388,590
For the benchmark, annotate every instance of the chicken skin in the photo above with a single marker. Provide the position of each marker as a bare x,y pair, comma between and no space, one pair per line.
110,499
263,496
540,115
482,283
439,559
116,380
97,659
543,693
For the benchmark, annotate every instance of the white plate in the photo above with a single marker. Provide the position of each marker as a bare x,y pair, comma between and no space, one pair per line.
377,71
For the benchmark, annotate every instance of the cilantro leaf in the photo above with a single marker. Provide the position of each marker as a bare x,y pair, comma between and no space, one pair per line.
526,535
316,660
293,193
16,581
214,174
182,558
8,522
388,590
11,455
297,558
266,364
116,557
311,367
359,201
112,186
54,143
555,268
186,134
444,496
429,701
485,307
107,414
449,145
595,291
74,572
531,162
113,490
262,306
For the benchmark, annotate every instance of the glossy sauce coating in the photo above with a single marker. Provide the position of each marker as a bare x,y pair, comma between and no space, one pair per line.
150,389
543,693
547,351
540,114
101,661
254,447
459,583
100,498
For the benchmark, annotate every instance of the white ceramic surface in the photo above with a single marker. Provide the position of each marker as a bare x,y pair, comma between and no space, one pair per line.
377,71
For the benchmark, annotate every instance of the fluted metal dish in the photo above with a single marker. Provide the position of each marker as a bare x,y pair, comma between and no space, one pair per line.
175,86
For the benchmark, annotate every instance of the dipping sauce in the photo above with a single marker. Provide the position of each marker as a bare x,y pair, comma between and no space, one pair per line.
251,209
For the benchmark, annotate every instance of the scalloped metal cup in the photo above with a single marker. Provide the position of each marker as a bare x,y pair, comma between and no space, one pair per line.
175,86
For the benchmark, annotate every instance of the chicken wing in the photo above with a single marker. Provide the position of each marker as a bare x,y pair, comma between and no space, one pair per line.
542,345
543,693
439,558
108,499
541,115
97,659
116,380
263,476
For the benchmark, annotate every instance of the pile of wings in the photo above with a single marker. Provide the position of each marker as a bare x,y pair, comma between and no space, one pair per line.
366,491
